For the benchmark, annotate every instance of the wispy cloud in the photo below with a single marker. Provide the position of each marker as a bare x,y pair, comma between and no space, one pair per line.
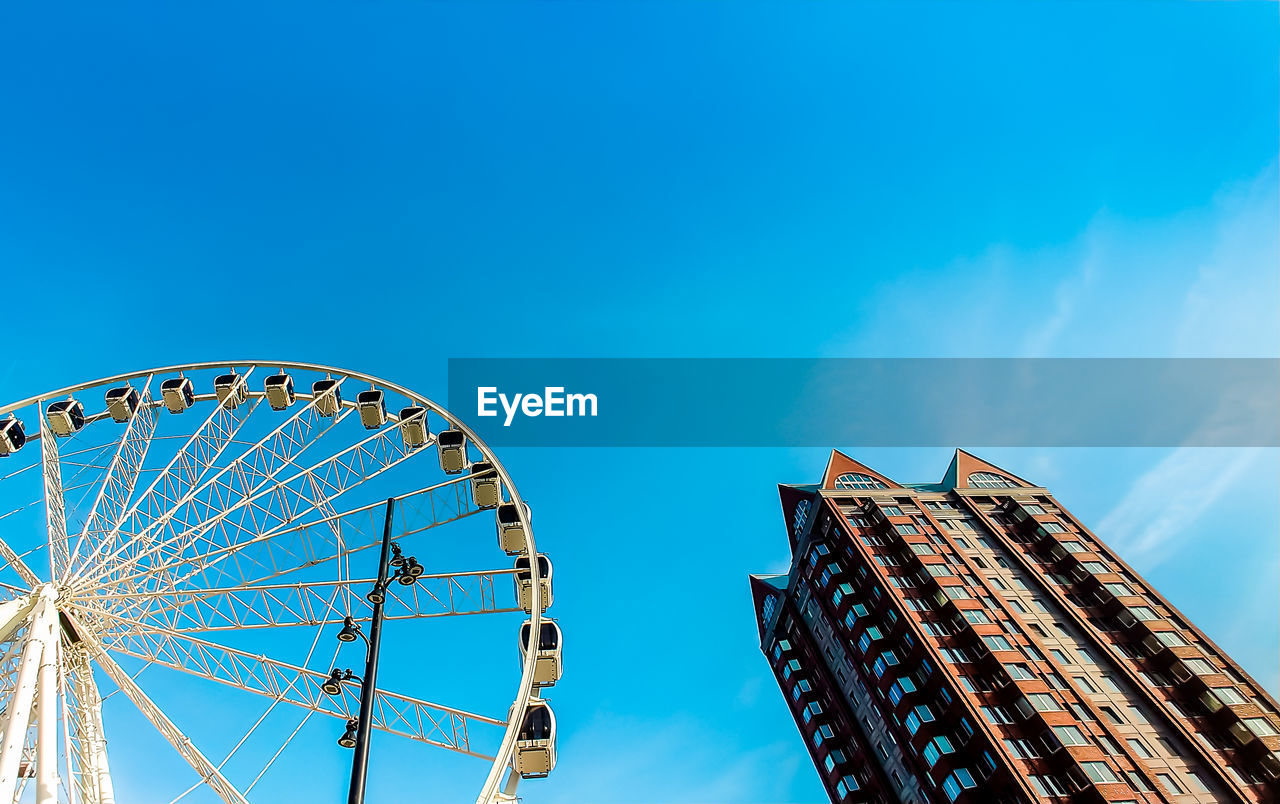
1159,511
1231,307
1070,293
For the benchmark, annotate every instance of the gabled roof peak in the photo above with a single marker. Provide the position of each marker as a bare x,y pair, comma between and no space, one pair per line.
965,466
839,464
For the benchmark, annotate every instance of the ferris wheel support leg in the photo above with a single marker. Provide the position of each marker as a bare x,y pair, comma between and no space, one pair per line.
15,729
106,792
47,724
92,745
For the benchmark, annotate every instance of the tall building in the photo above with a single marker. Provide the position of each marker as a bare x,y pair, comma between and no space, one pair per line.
972,641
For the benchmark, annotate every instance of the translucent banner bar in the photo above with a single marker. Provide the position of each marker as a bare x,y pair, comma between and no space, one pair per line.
1129,402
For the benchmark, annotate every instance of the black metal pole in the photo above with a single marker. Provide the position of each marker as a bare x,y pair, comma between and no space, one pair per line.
360,761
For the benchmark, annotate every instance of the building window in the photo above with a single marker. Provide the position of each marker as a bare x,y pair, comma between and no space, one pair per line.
1053,527
1023,748
1099,772
1197,784
1140,748
1111,714
989,480
1019,671
905,529
1229,695
936,748
892,510
997,715
1138,782
900,688
767,608
1049,785
996,642
1070,735
823,733
846,785
1044,702
801,517
959,781
836,757
1170,783
814,708
1260,726
840,593
851,480
1200,667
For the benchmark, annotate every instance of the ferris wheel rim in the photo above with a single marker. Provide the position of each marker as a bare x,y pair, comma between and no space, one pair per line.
503,761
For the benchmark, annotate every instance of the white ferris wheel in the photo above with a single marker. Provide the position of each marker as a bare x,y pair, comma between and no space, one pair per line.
224,522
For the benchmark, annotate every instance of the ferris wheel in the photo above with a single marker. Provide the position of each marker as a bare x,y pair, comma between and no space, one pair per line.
224,522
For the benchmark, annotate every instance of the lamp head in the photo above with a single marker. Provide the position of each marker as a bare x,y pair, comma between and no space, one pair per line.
350,630
348,738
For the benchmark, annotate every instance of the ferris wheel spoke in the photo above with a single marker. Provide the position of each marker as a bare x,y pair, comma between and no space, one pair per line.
19,566
168,535
275,503
181,742
261,557
272,555
321,602
172,485
55,504
423,721
122,475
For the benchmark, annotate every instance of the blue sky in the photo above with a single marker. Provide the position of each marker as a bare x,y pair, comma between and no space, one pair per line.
387,185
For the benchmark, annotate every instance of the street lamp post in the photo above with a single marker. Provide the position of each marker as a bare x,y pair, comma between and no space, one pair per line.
369,684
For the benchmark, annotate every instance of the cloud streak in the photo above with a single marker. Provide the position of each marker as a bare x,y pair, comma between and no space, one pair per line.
1158,513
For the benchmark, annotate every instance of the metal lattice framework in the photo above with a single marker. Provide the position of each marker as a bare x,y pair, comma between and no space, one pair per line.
184,533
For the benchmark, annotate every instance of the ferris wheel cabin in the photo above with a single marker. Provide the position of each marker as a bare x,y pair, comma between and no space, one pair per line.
231,390
547,666
413,426
511,536
524,582
279,391
12,436
65,417
373,408
535,754
122,403
452,445
484,485
327,396
178,394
